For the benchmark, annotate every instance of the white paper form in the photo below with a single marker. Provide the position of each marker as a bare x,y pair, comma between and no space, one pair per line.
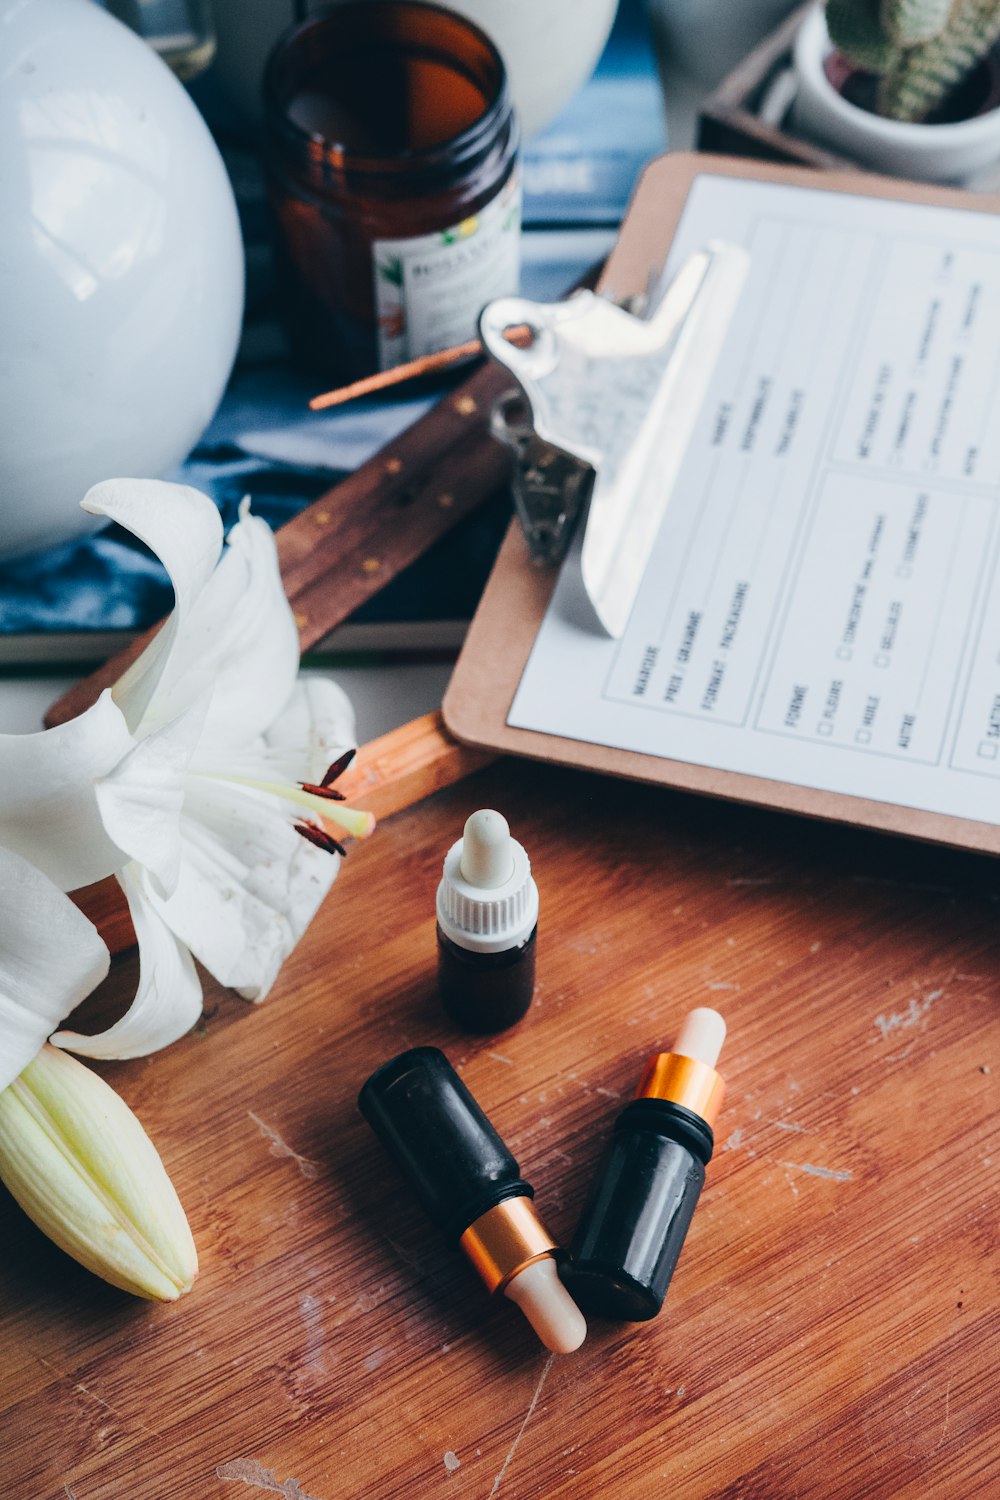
822,603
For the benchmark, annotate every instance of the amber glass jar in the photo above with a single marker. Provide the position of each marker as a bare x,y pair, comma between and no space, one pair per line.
392,172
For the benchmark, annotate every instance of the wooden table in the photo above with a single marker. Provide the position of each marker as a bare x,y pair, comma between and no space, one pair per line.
832,1329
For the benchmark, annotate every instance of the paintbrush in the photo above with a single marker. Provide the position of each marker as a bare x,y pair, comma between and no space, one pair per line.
520,335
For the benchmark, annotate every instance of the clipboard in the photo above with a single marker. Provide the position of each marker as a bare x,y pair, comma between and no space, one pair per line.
503,631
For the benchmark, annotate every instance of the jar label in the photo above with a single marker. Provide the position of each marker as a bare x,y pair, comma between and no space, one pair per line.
430,289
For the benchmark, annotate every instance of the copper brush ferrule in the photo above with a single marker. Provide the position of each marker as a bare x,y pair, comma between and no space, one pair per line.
506,1239
686,1081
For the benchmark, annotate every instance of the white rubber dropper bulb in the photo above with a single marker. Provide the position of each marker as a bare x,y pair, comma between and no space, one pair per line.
701,1036
548,1306
487,857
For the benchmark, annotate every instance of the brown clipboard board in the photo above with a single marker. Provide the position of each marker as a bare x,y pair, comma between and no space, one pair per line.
503,631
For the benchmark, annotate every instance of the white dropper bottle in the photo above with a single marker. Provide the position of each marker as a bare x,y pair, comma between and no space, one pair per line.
487,920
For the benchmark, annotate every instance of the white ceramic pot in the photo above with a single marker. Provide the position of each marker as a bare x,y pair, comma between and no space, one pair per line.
550,47
928,153
121,266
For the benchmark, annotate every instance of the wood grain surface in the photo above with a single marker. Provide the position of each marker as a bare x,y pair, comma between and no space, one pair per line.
832,1330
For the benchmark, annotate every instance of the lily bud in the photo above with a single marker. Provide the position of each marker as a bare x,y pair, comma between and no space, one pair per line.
81,1166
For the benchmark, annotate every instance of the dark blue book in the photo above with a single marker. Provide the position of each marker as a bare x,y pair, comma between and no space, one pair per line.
580,171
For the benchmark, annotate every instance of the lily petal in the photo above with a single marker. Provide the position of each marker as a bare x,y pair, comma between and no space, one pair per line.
48,811
51,956
140,800
315,726
184,529
168,1000
249,885
241,632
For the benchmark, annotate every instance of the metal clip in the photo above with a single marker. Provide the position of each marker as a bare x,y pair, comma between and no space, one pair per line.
549,486
616,395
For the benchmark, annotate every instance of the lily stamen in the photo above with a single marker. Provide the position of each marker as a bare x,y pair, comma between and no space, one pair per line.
313,834
358,823
338,768
329,792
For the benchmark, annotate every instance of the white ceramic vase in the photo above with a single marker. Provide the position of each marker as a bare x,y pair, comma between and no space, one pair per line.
550,47
121,266
927,153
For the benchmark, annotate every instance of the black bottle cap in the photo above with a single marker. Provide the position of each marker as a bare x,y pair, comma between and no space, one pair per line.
440,1139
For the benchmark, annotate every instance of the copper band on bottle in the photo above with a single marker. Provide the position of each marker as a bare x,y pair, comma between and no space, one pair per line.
504,1240
684,1081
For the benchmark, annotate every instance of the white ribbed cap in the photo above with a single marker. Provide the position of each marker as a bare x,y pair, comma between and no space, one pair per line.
497,907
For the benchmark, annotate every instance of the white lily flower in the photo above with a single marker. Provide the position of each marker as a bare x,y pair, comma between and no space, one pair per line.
193,781
50,810
229,750
71,1152
51,957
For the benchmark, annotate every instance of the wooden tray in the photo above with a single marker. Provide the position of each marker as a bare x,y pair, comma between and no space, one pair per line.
729,120
832,1329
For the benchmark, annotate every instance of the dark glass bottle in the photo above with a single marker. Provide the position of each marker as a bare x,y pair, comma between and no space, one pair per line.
487,927
391,158
486,992
470,1186
440,1139
633,1225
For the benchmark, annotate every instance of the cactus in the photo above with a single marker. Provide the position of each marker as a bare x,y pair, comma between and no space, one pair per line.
920,49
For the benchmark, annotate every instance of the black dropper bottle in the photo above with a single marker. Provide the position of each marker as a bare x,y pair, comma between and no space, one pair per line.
470,1186
633,1225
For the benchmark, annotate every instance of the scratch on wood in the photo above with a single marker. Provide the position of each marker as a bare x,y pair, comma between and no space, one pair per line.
520,1430
309,1169
410,1260
249,1471
826,1172
115,1413
911,1016
368,1301
69,1493
783,1125
947,1413
497,1057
